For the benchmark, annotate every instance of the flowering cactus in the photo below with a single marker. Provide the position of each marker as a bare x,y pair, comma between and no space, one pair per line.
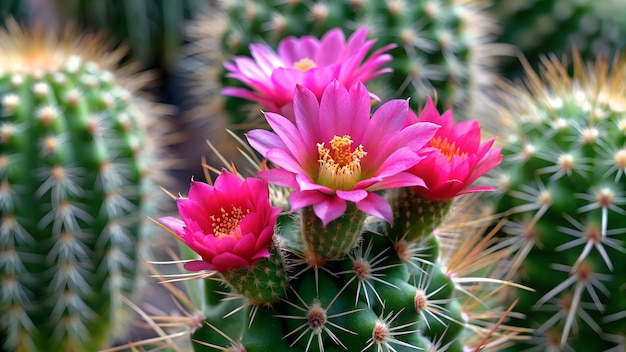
454,160
326,178
335,277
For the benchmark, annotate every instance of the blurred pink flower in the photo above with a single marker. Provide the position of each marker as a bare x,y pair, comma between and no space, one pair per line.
455,157
307,61
230,224
334,152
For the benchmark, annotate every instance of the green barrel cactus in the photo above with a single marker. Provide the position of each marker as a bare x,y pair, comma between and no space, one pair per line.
152,29
77,175
562,188
539,27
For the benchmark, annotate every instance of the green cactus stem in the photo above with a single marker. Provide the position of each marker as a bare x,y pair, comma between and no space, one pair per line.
77,183
562,187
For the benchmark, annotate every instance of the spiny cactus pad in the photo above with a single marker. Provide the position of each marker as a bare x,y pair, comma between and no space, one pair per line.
75,192
562,186
384,296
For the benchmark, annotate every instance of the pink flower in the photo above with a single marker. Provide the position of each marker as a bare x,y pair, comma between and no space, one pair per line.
455,157
272,77
230,224
335,153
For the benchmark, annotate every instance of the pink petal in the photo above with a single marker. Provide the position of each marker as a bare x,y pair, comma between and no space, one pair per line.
266,58
279,177
305,183
245,246
300,199
225,261
335,112
329,209
263,253
174,224
306,109
403,179
290,135
353,196
400,160
316,79
262,141
377,206
331,47
198,265
285,159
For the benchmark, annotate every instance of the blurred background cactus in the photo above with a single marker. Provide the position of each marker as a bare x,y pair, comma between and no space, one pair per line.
79,175
152,29
537,27
562,186
15,9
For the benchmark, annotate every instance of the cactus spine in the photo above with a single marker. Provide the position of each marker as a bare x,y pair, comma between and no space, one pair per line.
562,186
76,182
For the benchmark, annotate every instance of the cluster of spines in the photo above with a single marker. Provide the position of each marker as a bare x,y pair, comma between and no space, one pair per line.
72,200
562,187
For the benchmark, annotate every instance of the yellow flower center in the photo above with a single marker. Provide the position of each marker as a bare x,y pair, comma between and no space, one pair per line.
446,147
227,222
340,166
304,64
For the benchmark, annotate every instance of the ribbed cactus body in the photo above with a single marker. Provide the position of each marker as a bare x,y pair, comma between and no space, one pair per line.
74,195
385,295
562,188
360,302
538,27
151,28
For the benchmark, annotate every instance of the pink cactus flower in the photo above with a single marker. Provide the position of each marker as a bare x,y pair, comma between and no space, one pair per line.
307,61
335,152
230,225
455,157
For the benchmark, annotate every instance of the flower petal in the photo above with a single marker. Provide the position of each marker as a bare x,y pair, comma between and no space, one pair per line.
329,209
377,206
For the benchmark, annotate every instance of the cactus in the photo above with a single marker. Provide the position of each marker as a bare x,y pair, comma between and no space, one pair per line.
335,276
77,147
535,28
562,187
151,28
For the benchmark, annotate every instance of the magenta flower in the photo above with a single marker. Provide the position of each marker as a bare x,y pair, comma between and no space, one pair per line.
230,224
455,157
335,153
310,62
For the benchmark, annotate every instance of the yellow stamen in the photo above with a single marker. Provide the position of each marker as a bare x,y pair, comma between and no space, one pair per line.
305,64
227,223
446,147
340,167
